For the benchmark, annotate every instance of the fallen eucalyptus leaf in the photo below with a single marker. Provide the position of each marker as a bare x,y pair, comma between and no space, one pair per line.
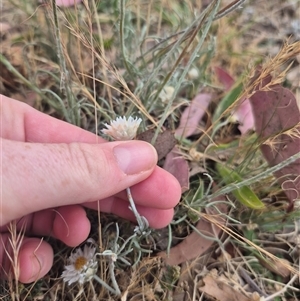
176,165
194,245
220,288
164,143
277,122
224,78
191,116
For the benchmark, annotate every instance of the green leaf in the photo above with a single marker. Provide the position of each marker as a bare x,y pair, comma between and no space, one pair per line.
228,100
244,195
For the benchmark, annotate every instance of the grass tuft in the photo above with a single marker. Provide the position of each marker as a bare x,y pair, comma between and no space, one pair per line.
97,60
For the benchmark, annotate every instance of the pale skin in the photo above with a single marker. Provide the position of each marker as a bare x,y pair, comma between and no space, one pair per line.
51,170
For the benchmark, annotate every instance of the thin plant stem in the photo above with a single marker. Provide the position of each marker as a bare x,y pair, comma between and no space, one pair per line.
126,242
90,25
107,88
122,38
65,77
170,238
207,20
132,204
141,220
228,9
283,290
229,188
25,81
112,276
110,289
221,13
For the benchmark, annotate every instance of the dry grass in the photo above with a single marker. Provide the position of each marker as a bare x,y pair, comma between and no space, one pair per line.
102,61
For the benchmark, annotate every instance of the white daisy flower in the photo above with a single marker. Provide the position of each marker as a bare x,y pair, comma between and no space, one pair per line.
82,266
122,129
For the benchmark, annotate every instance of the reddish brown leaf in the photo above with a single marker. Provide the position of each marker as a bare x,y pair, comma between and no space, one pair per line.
178,167
276,111
164,143
191,116
195,245
224,78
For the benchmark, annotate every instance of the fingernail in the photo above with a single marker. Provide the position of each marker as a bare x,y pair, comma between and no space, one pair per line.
134,157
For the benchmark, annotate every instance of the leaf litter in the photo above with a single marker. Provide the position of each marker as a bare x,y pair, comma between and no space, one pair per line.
276,114
276,124
192,115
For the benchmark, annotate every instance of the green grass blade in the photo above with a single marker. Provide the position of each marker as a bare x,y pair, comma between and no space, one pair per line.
244,194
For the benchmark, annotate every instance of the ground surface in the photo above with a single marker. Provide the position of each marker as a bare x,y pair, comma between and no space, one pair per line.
219,251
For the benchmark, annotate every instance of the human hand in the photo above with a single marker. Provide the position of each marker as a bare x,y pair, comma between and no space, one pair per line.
50,169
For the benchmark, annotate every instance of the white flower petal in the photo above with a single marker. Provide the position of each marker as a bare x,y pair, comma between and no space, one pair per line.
82,266
122,129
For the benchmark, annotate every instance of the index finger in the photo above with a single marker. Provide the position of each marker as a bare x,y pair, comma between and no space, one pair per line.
23,123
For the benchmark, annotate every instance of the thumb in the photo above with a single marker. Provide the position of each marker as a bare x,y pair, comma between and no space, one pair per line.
38,176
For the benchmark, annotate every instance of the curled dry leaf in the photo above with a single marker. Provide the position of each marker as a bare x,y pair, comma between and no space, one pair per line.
220,288
194,244
176,165
277,122
191,116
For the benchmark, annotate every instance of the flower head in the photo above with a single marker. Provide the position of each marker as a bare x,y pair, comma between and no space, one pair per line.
166,93
122,129
82,266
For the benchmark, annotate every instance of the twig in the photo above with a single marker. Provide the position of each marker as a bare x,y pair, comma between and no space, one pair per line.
250,281
283,290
